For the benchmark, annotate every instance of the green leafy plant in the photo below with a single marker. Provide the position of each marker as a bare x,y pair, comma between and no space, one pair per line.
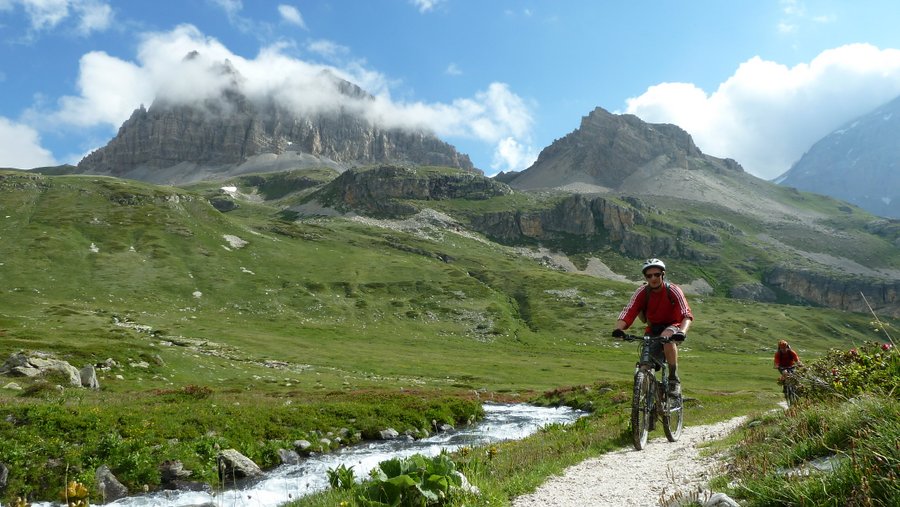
413,481
341,477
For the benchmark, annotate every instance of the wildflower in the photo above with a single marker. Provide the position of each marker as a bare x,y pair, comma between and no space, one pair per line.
886,346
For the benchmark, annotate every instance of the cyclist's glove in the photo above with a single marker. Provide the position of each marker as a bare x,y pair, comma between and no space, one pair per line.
678,337
618,333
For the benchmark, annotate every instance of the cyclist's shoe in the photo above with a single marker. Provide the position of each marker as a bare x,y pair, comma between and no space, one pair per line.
674,387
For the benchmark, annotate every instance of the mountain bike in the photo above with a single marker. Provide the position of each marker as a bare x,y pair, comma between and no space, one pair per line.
789,385
651,399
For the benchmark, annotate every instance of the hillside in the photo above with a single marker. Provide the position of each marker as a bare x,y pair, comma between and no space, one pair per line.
83,252
656,194
856,163
248,321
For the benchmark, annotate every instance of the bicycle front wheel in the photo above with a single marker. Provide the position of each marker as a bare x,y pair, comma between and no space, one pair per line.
673,417
641,409
790,394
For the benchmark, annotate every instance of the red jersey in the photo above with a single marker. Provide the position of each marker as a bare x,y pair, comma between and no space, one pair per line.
666,306
786,358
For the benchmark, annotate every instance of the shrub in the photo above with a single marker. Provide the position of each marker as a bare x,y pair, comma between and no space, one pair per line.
871,368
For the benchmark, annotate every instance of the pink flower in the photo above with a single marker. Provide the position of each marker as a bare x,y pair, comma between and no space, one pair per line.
886,346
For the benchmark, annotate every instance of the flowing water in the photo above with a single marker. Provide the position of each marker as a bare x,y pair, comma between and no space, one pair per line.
289,482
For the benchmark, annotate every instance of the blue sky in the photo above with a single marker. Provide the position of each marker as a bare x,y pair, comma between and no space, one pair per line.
758,81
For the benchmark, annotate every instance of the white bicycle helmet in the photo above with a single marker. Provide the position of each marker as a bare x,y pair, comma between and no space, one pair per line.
650,263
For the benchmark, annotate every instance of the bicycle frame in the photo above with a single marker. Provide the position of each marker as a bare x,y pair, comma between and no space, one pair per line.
651,395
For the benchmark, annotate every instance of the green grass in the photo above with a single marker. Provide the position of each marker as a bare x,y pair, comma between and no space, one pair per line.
847,419
315,325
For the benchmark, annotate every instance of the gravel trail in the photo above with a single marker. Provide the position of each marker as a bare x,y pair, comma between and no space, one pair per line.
634,478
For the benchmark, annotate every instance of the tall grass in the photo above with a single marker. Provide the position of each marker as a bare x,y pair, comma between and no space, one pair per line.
837,447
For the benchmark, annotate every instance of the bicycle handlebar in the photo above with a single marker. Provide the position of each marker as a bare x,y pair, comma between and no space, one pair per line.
632,337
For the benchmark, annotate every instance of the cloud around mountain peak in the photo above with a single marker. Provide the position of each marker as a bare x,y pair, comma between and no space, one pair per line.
110,88
767,114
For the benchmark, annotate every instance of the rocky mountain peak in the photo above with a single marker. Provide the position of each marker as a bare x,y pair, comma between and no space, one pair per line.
229,133
858,162
608,148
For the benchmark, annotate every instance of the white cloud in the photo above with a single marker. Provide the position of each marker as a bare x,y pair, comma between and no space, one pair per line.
453,70
111,88
767,115
425,5
91,15
327,49
785,27
95,17
510,155
20,146
231,7
110,91
45,14
291,15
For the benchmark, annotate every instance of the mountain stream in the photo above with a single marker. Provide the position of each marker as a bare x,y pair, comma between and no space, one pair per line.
289,482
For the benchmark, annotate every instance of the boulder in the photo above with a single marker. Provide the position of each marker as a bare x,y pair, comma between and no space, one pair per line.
233,465
108,485
38,364
88,376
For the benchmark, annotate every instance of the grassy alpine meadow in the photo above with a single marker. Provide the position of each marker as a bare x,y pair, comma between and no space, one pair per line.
251,330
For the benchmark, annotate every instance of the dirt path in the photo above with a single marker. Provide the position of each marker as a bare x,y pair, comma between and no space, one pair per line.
634,478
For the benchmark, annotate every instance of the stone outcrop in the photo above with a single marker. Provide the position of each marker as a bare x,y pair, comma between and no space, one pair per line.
108,485
377,190
40,364
233,465
843,293
577,215
592,220
217,136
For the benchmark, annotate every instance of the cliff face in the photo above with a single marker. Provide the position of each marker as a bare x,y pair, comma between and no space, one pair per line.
843,293
601,220
216,136
380,190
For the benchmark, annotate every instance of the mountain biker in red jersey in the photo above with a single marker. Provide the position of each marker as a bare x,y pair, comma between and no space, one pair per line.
664,308
785,357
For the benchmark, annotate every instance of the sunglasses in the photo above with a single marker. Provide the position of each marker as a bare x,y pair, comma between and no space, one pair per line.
652,275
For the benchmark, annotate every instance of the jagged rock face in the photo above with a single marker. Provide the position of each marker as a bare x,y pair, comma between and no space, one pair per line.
858,163
223,134
593,219
375,190
845,294
605,150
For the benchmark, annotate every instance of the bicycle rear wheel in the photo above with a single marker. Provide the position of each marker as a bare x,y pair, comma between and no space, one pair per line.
673,417
641,410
